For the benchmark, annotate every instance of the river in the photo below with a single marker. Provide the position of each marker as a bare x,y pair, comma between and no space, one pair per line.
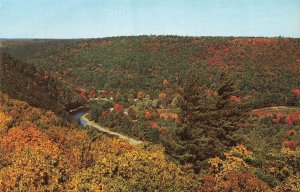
78,116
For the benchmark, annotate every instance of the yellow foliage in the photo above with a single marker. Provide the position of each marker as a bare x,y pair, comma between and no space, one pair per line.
234,160
291,153
292,157
165,82
162,96
141,94
292,184
32,171
87,180
233,173
149,168
4,119
41,155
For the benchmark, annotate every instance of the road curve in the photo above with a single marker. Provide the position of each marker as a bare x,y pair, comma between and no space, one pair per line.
106,130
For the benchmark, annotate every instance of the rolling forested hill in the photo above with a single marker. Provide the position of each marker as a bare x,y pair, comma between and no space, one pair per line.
265,69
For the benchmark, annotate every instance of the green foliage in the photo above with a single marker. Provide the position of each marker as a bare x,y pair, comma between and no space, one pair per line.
262,68
23,81
97,107
210,123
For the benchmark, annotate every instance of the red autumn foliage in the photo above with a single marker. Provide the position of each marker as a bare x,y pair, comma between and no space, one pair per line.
147,115
278,118
296,92
238,181
119,108
288,120
92,93
154,114
208,94
291,144
217,55
84,97
291,132
153,124
235,99
293,118
233,181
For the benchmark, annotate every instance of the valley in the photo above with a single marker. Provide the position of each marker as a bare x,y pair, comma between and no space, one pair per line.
150,113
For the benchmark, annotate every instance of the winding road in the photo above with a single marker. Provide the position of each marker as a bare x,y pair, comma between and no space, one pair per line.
109,132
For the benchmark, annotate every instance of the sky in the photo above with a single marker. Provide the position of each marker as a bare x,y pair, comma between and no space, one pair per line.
106,18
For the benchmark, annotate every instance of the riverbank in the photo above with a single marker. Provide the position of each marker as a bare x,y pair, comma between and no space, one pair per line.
106,130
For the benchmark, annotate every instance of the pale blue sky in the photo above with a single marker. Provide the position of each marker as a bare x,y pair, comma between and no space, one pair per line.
103,18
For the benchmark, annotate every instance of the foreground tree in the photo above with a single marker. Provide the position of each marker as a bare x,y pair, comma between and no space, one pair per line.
209,123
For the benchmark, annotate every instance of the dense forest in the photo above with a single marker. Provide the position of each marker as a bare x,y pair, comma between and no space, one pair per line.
23,81
263,68
214,114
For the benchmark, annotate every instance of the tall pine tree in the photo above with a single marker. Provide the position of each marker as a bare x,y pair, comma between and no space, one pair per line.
209,123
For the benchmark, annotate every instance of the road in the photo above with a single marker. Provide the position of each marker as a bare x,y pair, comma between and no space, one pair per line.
107,131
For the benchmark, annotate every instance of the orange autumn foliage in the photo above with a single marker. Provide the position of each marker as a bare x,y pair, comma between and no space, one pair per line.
170,116
18,139
162,128
236,181
44,153
147,115
141,94
165,82
162,96
4,119
233,181
77,147
208,93
235,99
33,162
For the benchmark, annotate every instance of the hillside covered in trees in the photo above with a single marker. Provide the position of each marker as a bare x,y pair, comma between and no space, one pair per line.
25,82
214,114
42,152
263,68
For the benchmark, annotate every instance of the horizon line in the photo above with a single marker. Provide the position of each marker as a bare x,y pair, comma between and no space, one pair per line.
152,35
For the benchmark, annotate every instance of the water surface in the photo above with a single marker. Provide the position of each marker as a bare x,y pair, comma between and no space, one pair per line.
78,116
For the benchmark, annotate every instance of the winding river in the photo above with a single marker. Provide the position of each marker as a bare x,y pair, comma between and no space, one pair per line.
77,116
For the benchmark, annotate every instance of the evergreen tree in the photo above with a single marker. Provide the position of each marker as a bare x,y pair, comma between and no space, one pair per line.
209,123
